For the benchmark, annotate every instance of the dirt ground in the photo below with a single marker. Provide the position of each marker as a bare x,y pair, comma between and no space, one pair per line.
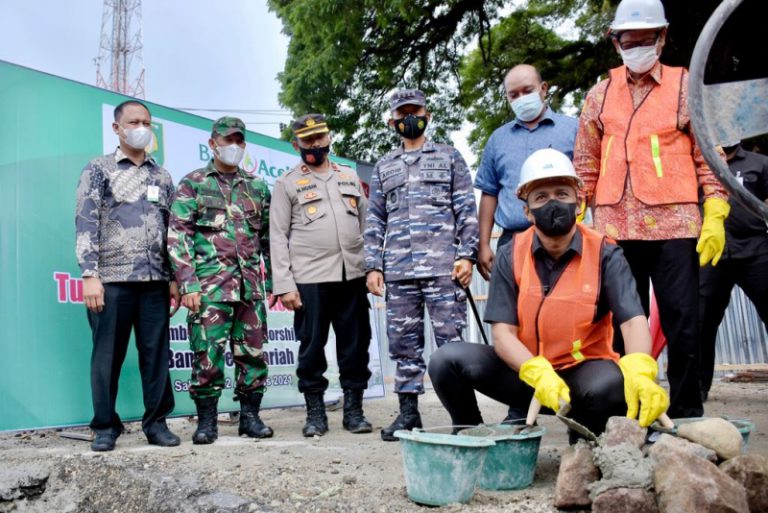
337,472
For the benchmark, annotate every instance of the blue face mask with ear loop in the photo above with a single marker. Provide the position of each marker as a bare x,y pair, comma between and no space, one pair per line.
527,107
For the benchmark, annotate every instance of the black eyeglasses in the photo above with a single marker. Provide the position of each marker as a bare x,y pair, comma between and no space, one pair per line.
649,41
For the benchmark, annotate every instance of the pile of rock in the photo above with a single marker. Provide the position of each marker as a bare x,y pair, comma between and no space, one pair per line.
621,474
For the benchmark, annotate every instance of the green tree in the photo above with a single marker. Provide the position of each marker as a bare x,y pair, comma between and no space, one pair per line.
519,38
345,57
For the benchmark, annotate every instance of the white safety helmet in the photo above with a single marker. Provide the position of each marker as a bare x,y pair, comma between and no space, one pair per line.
544,164
639,15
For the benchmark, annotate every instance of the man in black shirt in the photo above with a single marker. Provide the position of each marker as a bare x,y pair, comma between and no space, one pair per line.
553,292
744,261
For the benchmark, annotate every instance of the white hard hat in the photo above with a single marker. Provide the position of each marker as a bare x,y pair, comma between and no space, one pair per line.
544,164
639,15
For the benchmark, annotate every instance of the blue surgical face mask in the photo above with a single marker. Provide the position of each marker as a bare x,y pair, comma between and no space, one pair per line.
528,107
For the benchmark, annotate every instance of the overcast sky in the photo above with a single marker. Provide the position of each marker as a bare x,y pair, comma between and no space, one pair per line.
197,54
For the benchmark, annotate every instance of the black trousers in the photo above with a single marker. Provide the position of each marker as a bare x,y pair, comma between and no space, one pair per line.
715,285
343,305
673,268
143,307
457,370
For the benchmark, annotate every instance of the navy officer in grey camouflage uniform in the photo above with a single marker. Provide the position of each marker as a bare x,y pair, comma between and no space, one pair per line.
421,240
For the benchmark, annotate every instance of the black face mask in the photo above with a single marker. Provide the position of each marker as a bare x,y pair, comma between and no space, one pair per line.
555,217
314,156
411,126
731,149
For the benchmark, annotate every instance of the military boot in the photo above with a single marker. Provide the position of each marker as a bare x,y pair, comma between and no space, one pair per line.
207,431
250,422
354,420
408,419
317,422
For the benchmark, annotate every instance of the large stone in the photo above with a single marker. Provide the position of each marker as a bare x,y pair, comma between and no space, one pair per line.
625,500
622,466
621,430
577,472
673,443
717,434
685,483
751,471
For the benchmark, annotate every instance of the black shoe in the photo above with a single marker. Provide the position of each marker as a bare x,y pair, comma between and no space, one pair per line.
317,421
207,412
408,419
354,421
104,440
163,437
250,422
515,417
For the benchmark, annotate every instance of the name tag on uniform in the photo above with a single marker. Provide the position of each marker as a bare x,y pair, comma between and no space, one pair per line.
153,193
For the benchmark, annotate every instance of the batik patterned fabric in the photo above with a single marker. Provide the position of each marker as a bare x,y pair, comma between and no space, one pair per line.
122,219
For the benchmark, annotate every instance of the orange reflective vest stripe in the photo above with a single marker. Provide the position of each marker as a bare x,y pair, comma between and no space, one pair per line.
560,325
645,143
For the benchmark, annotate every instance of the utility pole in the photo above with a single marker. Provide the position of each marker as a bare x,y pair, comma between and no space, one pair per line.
119,66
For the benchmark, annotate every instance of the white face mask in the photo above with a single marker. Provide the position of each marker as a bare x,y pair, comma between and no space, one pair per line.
639,59
231,155
138,138
527,107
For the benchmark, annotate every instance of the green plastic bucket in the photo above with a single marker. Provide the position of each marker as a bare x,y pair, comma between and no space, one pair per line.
441,468
511,463
744,426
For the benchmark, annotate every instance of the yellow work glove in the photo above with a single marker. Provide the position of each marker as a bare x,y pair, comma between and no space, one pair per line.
712,238
550,387
640,388
583,213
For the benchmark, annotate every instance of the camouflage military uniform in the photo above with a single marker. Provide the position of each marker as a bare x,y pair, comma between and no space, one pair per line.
421,219
219,246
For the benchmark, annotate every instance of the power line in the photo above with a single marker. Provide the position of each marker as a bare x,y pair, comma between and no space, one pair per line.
262,112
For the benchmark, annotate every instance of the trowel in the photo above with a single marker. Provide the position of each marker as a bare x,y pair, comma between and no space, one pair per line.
584,431
533,413
565,408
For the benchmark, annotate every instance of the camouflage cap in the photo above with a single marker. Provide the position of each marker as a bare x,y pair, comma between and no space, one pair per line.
227,126
407,97
310,124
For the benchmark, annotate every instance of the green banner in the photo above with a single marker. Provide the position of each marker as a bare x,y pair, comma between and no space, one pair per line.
51,128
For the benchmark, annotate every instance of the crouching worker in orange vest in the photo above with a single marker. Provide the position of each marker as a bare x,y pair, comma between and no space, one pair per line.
554,291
